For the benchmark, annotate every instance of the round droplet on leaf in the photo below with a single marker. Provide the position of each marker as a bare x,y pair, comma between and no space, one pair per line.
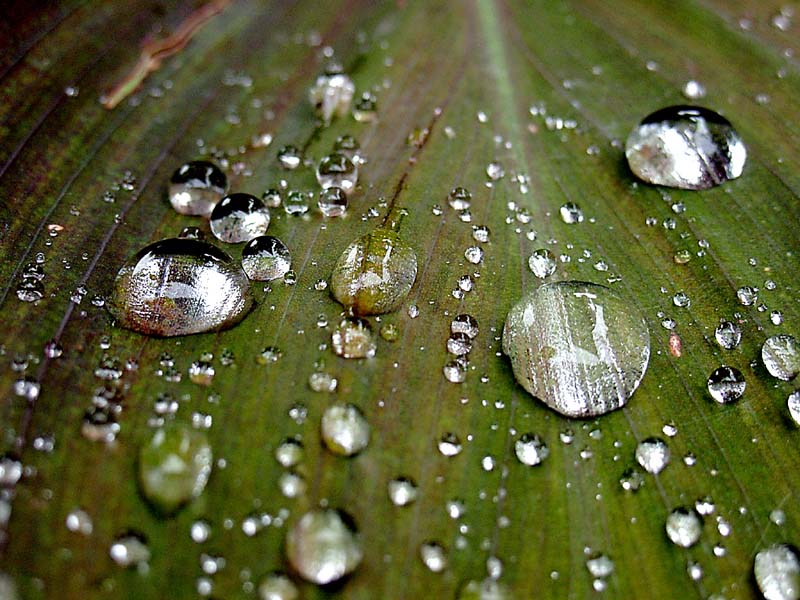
781,356
174,467
684,527
687,147
239,218
726,384
196,187
179,287
265,258
336,170
578,347
332,202
777,572
345,429
353,338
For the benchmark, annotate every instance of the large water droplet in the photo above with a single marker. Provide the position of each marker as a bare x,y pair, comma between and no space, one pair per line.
726,384
239,218
179,287
793,404
685,147
781,357
196,187
653,455
345,430
777,572
265,258
324,546
578,347
336,170
174,466
684,527
374,273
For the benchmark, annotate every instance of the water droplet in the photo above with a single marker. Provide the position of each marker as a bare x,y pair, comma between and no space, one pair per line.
353,338
480,233
686,147
344,429
289,453
777,572
130,550
433,556
474,255
726,384
196,187
336,170
781,357
78,521
201,372
239,218
684,527
449,444
454,372
332,94
179,287
631,480
374,273
488,589
349,146
289,157
296,204
266,258
694,90
271,198
600,566
277,586
578,347
332,202
653,455
681,300
459,344
793,404
402,491
542,263
30,289
747,295
200,531
495,171
459,198
571,213
292,485
174,467
10,470
324,545
365,109
465,323
530,450
728,335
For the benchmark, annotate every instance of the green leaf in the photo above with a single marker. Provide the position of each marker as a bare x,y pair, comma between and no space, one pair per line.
549,90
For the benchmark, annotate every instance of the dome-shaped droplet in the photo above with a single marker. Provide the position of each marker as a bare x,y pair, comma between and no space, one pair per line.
578,347
434,556
196,187
266,258
332,94
375,273
347,145
178,287
542,263
530,449
336,170
277,586
488,589
459,198
728,335
653,455
402,491
239,218
174,467
290,157
793,404
353,338
777,572
781,356
332,202
684,527
685,147
324,546
726,384
345,430
571,213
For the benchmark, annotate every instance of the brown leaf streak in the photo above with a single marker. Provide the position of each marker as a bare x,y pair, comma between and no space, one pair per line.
154,51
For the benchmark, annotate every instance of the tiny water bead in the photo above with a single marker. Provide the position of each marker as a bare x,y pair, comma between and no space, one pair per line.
332,202
345,430
375,272
324,545
684,527
196,187
433,556
747,295
542,263
336,170
578,347
277,586
728,335
726,384
353,338
266,258
653,455
449,445
365,109
271,198
290,157
488,589
289,453
130,550
571,213
239,218
296,203
474,255
530,450
332,94
180,287
687,147
174,467
781,357
402,491
777,572
459,198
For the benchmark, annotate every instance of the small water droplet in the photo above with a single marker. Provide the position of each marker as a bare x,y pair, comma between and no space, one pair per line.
277,586
747,295
777,572
289,453
332,202
454,372
290,157
353,338
495,171
332,94
459,198
480,233
79,521
578,347
179,287
324,545
542,263
336,170
266,258
239,218
196,187
530,449
571,213
433,556
402,491
793,404
653,455
130,550
200,531
728,335
296,204
349,146
465,323
781,357
449,444
726,384
684,527
365,108
600,566
694,90
344,429
271,198
631,480
488,589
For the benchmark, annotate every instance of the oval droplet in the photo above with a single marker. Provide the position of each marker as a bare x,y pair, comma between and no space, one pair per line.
653,455
336,170
265,258
179,287
684,527
781,357
345,430
196,187
174,467
685,147
239,218
777,572
578,347
726,384
353,338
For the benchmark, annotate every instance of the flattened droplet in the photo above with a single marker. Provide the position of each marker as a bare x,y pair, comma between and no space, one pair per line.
578,347
685,147
777,572
781,357
196,187
374,273
239,218
174,467
324,546
179,287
